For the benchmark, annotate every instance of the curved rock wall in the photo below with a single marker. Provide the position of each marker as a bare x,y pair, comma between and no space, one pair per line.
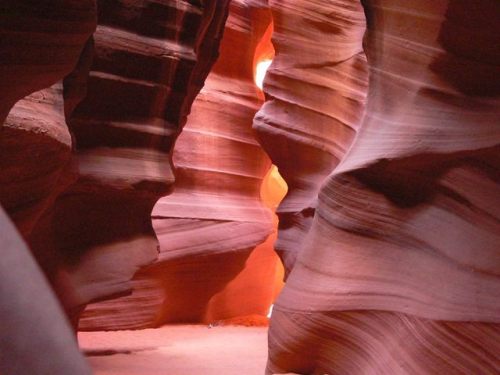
209,227
150,61
41,42
316,89
400,271
215,217
34,130
36,337
392,255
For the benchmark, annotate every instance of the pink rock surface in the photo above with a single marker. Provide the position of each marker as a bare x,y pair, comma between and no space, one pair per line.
399,272
41,42
150,61
209,267
316,89
381,115
35,336
34,130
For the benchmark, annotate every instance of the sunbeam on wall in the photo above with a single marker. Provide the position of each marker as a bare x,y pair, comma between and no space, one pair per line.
263,58
274,187
260,72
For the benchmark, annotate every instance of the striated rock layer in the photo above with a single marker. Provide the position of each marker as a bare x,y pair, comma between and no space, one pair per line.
150,61
41,42
316,89
209,267
34,130
400,271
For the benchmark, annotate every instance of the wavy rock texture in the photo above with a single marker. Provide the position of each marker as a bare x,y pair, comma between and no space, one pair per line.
209,267
150,61
316,89
34,130
40,46
41,42
399,273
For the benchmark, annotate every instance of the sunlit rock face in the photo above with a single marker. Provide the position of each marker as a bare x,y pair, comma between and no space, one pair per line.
150,61
400,270
316,88
216,260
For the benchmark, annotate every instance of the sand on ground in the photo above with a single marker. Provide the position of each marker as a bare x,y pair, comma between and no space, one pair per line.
177,350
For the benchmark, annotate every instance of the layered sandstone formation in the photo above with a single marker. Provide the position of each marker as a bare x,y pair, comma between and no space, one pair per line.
389,232
316,88
210,267
150,61
400,270
34,130
42,42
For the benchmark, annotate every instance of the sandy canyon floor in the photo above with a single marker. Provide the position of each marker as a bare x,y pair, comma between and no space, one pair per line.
177,350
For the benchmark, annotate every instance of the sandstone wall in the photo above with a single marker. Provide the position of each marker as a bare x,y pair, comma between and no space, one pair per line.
316,89
150,60
41,43
209,268
399,272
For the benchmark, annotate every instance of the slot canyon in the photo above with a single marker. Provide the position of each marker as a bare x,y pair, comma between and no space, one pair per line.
249,187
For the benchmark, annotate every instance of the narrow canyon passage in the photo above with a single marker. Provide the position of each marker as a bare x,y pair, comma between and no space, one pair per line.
249,187
217,227
217,268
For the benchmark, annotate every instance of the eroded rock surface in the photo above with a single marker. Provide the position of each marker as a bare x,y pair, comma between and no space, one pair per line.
400,270
34,130
316,89
389,232
209,267
41,43
150,61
